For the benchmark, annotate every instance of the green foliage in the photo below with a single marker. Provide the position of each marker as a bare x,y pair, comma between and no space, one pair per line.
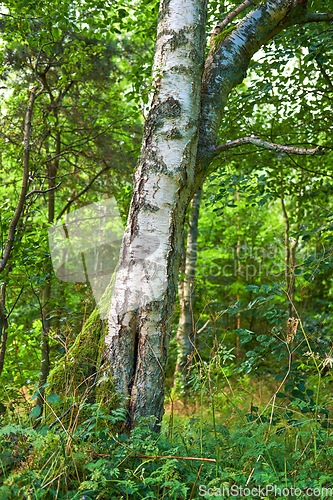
85,135
286,445
94,59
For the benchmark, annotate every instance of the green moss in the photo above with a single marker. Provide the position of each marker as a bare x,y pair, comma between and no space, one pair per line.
105,392
218,39
76,371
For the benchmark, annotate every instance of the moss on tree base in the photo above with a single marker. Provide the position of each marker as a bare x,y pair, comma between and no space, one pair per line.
83,374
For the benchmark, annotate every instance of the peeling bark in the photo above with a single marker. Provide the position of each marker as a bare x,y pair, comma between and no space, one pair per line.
147,275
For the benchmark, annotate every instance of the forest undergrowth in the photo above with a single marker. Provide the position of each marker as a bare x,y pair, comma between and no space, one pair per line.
226,434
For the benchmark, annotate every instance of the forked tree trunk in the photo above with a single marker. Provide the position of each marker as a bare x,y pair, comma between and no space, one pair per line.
171,167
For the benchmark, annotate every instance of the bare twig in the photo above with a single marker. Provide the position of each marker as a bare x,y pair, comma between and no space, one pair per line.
203,327
42,191
68,204
195,482
216,150
230,17
153,457
166,457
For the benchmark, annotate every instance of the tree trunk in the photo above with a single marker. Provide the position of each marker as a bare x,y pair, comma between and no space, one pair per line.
8,245
3,325
237,346
186,327
146,280
52,168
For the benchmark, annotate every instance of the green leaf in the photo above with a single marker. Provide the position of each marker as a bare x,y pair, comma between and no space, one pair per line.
53,399
252,288
35,412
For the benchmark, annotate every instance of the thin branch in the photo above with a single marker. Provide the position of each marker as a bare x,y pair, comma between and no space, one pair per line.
315,172
216,150
195,482
36,67
68,204
42,191
203,327
73,147
16,301
231,16
314,17
153,457
167,457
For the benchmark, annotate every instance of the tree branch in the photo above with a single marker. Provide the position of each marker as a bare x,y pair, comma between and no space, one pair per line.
313,17
216,150
230,17
68,204
228,61
25,180
42,191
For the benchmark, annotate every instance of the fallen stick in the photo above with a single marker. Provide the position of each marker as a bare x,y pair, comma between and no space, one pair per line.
178,458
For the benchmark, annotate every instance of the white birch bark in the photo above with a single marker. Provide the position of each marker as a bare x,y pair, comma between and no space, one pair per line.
146,280
228,60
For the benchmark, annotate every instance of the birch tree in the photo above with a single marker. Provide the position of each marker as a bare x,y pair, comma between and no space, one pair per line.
186,109
179,143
